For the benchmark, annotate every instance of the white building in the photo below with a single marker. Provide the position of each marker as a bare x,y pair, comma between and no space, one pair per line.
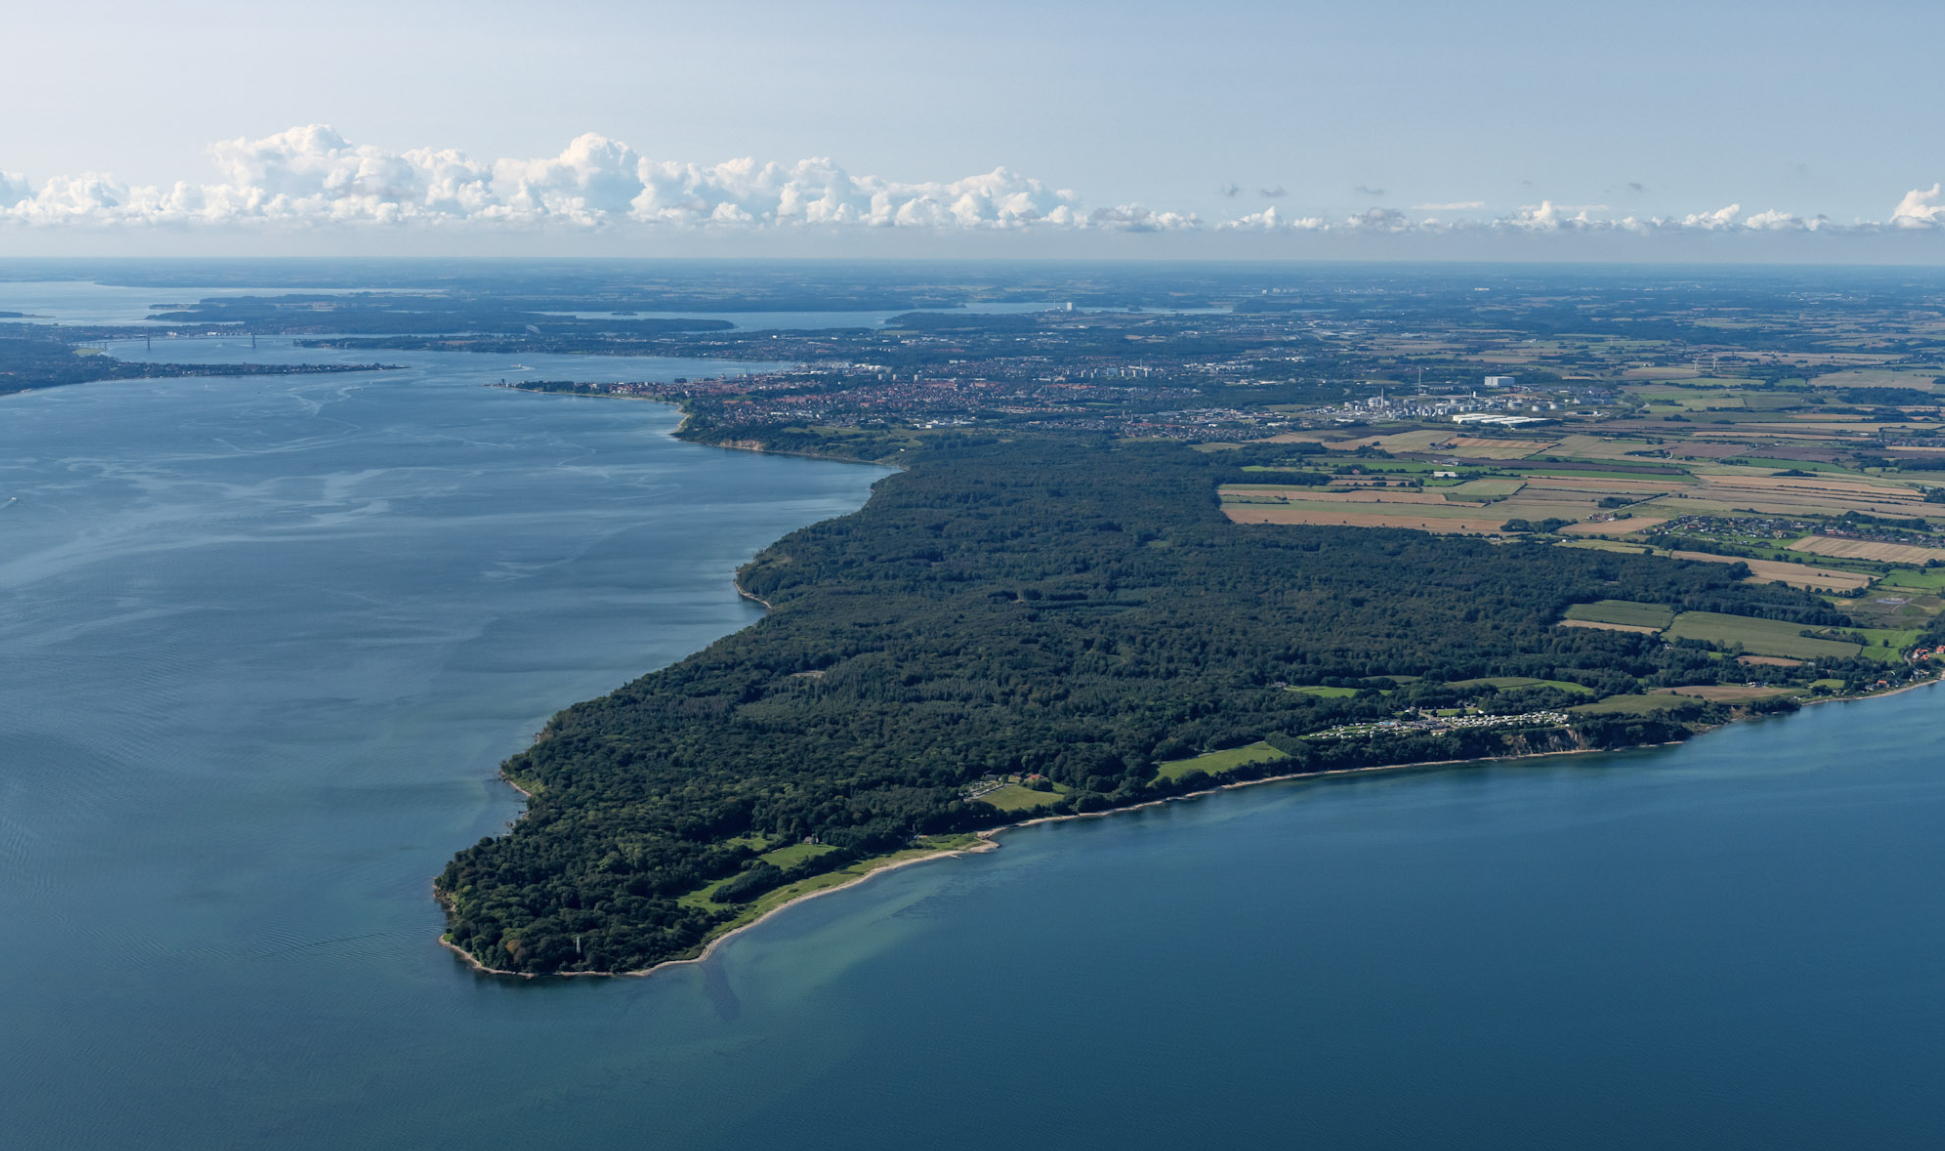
1499,381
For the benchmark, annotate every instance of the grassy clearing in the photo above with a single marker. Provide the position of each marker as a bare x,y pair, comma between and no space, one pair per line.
796,853
1014,797
1622,611
1516,682
1486,489
1759,636
1609,546
1325,692
1217,762
1887,645
1931,578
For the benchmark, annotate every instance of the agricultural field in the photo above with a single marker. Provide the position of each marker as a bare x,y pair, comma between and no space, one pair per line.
1517,682
1866,550
1217,762
1322,692
1920,380
1888,645
1777,571
1636,705
1930,580
1729,692
1615,528
1014,797
1437,522
1758,636
1647,616
1485,489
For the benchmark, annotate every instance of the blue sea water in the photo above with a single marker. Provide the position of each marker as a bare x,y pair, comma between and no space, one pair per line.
263,642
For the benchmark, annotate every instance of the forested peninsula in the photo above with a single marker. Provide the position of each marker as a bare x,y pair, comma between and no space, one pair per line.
1018,626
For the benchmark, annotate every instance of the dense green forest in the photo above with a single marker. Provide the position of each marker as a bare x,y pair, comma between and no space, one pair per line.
1078,610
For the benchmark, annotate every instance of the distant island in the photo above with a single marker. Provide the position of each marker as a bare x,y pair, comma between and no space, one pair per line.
40,358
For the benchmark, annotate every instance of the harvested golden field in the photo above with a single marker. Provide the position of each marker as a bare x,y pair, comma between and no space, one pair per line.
1614,527
1866,550
1599,486
1267,514
1787,494
1585,447
1527,507
1769,661
1339,495
1781,571
1412,441
1507,449
1599,626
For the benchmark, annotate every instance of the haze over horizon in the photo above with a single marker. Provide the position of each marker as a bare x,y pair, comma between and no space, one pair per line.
1408,130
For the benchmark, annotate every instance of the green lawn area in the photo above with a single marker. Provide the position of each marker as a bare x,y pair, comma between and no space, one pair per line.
1832,684
794,854
1013,797
1325,692
1515,682
1757,636
1623,611
1887,644
1929,578
1485,489
1636,705
1217,762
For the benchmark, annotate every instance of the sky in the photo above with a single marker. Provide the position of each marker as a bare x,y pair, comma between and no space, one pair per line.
1495,129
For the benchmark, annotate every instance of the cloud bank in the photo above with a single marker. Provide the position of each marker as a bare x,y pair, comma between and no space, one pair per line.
312,177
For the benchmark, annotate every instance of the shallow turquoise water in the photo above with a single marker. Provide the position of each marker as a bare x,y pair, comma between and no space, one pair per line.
262,643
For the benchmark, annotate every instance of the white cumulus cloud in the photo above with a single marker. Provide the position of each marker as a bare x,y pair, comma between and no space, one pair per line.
313,175
1919,209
